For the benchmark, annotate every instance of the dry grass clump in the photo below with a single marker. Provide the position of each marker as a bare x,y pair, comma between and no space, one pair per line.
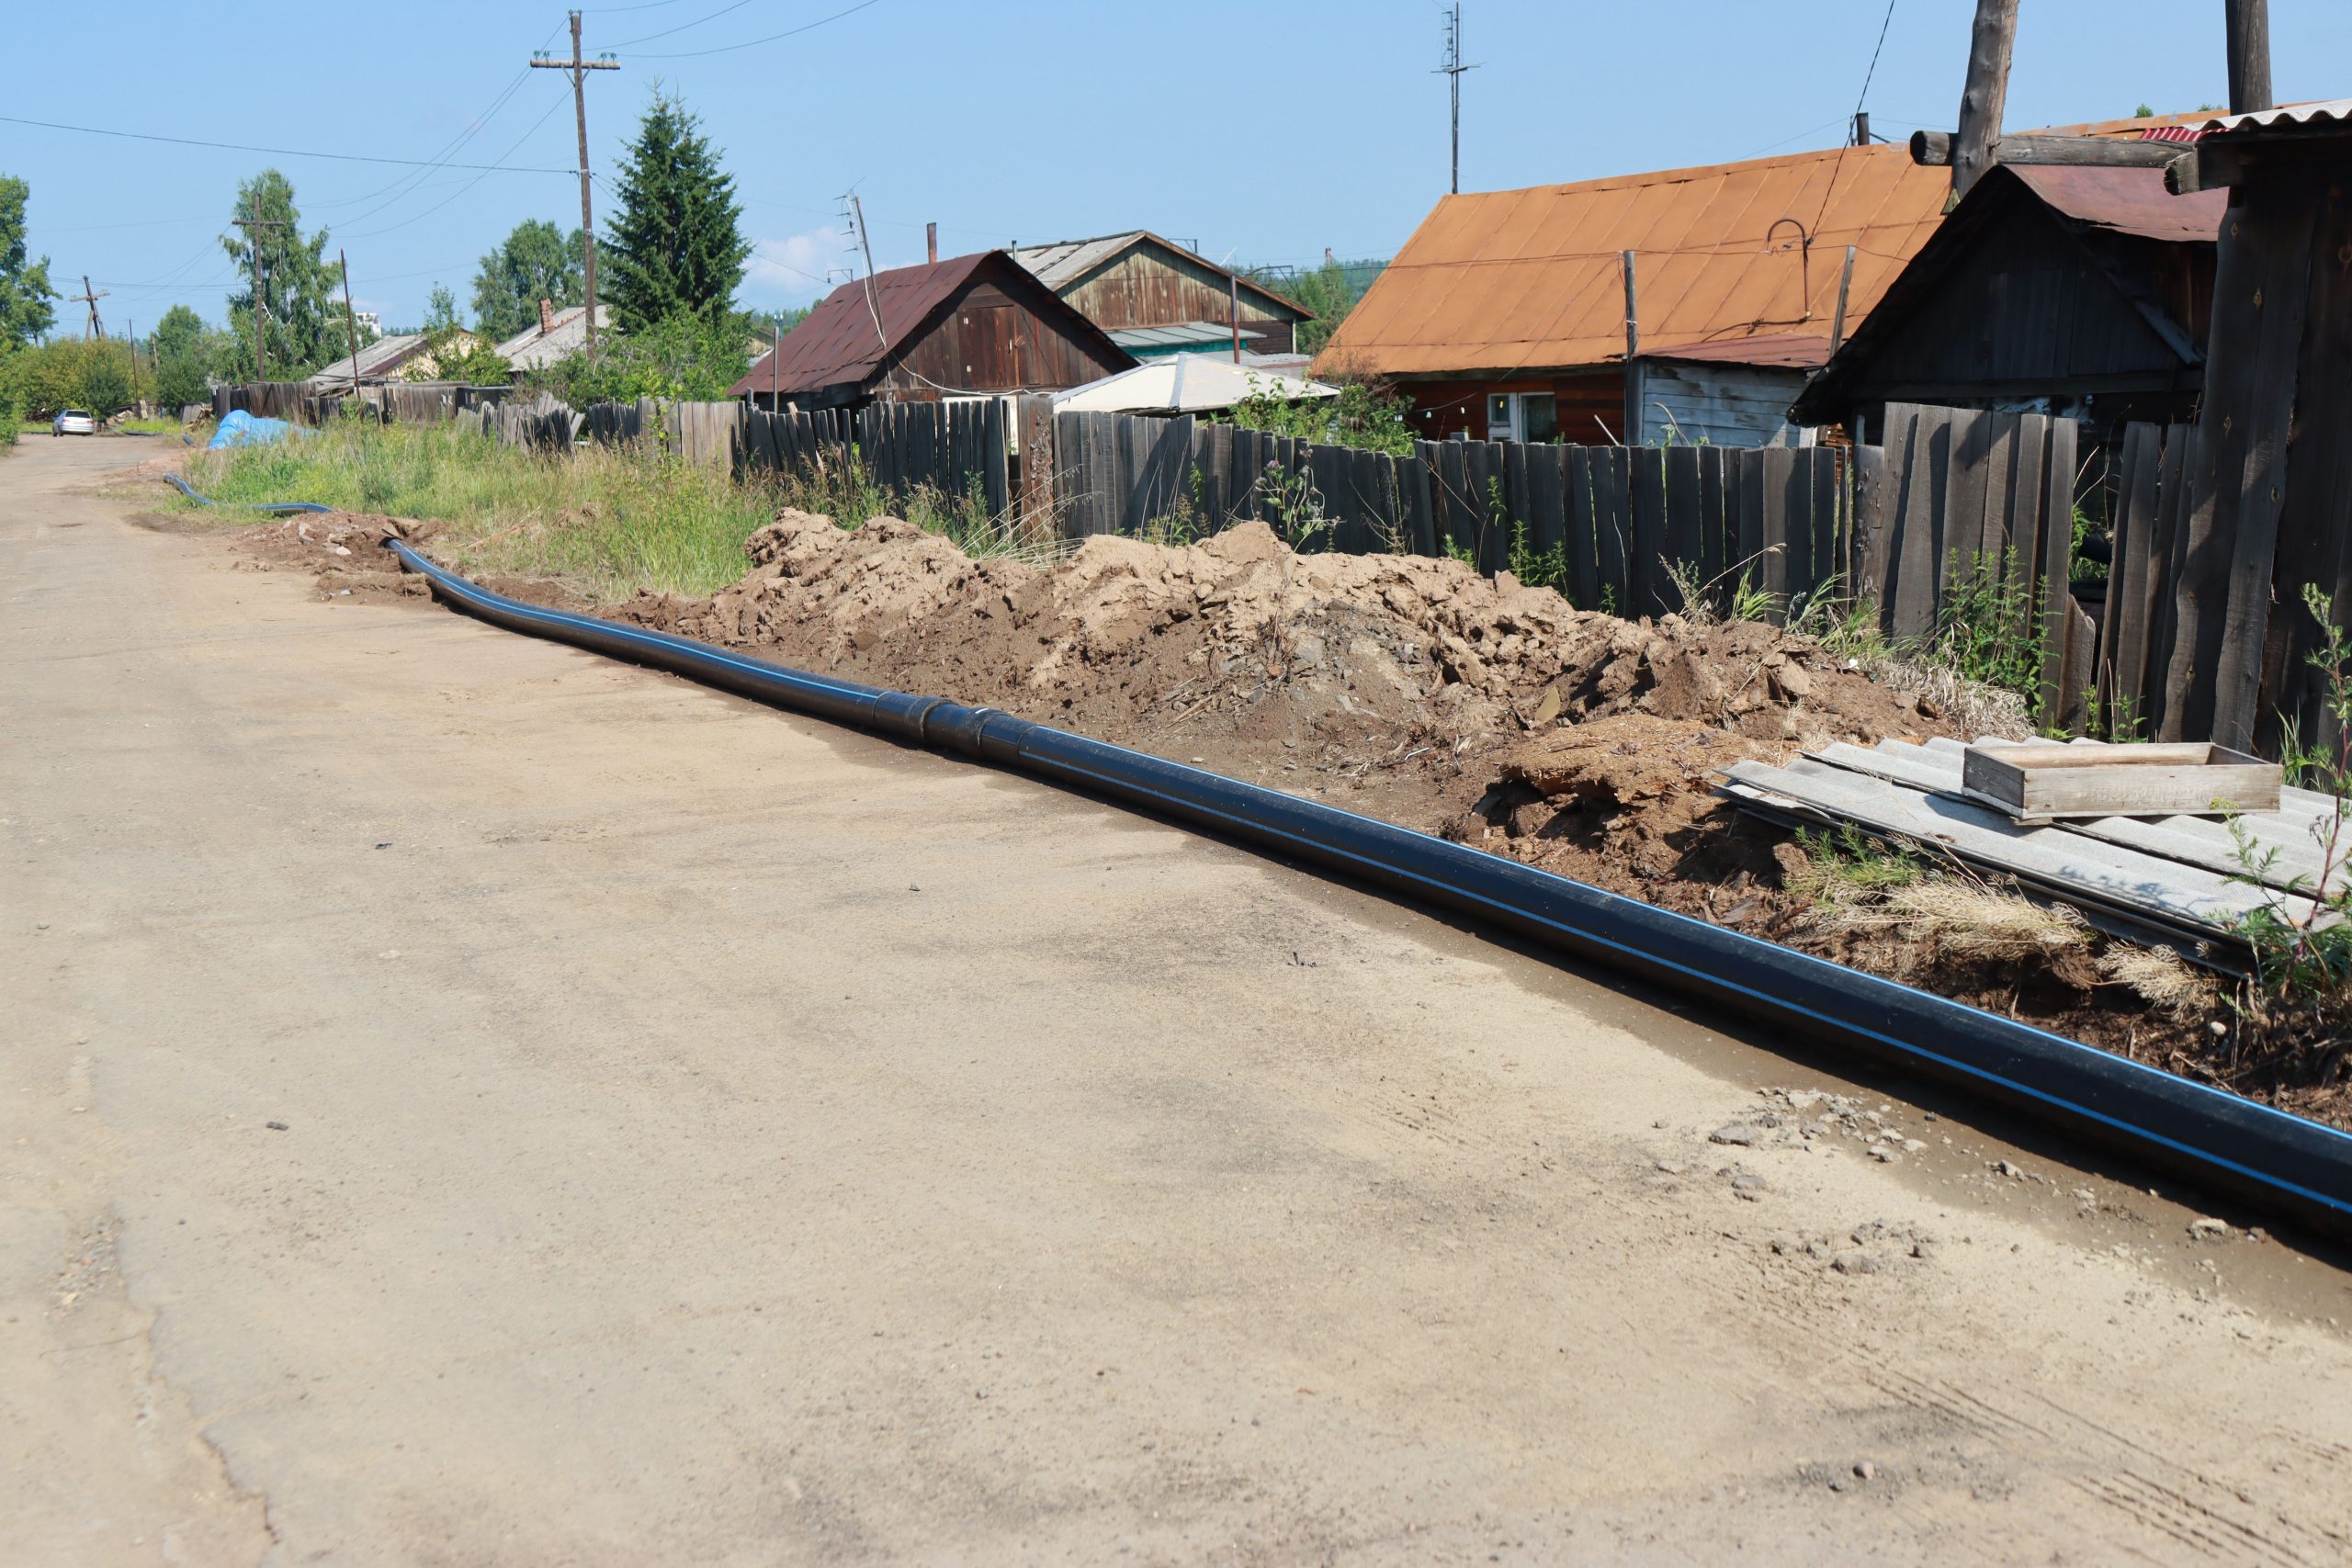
2162,979
1963,919
1971,706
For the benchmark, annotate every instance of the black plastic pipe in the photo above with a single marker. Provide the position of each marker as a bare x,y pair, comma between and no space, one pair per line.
273,507
2282,1164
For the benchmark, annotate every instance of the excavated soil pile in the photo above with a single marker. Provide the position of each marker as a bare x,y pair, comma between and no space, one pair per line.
1204,636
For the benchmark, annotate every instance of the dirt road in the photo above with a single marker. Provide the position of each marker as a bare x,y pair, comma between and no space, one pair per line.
470,1102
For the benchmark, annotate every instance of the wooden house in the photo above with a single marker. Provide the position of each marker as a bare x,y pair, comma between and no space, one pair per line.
2084,292
1156,298
973,324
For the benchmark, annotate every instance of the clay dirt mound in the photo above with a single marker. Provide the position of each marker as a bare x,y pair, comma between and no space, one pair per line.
1131,633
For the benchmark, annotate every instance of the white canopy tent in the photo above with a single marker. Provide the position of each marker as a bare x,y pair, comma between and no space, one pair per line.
1183,383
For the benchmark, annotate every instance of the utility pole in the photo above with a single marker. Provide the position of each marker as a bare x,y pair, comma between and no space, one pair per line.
253,225
2248,25
580,66
1451,68
1989,44
90,297
350,323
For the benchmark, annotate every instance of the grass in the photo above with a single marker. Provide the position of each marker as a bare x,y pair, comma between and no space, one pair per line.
604,522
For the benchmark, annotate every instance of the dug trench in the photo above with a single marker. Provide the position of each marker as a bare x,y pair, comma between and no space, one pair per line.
1423,693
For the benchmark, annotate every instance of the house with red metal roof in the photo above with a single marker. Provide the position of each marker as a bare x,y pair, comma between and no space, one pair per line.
967,326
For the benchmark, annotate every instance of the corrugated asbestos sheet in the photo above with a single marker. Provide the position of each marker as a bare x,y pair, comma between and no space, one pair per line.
2178,881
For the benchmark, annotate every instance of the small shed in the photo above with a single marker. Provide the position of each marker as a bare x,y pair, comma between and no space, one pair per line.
2084,292
969,325
1138,282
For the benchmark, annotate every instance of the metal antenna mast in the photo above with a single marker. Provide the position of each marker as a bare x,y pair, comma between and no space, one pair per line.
1452,70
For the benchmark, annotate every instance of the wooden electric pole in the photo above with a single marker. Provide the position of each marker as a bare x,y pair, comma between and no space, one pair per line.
2248,25
1989,43
350,323
580,66
90,297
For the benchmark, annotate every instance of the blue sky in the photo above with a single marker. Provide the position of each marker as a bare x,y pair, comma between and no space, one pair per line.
1267,129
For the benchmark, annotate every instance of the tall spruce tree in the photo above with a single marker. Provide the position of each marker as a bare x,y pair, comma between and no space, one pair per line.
302,320
675,245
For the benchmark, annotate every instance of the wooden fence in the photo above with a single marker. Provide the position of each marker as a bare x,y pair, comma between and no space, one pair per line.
2170,617
1967,507
959,448
1609,526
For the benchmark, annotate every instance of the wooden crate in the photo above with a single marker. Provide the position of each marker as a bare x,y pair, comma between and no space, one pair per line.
2052,783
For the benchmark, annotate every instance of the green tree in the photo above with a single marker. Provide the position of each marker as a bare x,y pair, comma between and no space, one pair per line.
683,357
537,261
676,246
185,353
1330,291
25,291
302,318
73,373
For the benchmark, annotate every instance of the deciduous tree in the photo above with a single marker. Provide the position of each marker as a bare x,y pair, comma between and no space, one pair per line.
537,261
303,318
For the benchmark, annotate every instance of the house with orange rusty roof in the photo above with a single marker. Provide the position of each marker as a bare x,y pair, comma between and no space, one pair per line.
1510,314
1681,305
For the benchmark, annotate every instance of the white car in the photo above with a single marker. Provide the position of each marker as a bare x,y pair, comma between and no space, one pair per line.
74,421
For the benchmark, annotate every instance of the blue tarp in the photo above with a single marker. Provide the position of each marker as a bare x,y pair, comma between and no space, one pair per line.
239,428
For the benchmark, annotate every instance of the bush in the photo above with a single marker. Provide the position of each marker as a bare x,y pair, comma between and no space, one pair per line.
73,373
683,359
1364,415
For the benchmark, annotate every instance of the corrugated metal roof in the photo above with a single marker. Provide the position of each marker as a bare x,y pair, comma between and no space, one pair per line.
1797,351
1529,279
2130,202
838,343
1066,261
531,349
1059,263
1179,334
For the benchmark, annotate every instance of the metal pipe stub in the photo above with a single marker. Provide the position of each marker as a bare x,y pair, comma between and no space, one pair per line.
2283,1164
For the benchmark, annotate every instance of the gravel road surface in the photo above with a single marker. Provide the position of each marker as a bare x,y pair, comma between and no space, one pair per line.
466,1102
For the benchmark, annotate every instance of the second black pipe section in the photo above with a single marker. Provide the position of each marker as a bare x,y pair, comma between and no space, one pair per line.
2282,1162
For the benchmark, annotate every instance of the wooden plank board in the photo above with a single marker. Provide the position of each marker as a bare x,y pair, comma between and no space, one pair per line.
1519,532
1413,480
1456,519
1682,533
1826,529
1775,467
1965,474
1747,547
1916,543
2057,544
1647,548
1715,548
2043,782
1936,768
2093,871
2123,631
1612,526
1582,521
1548,499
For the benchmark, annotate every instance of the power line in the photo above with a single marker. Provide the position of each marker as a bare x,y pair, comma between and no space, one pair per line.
284,151
682,27
1863,97
753,43
370,234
